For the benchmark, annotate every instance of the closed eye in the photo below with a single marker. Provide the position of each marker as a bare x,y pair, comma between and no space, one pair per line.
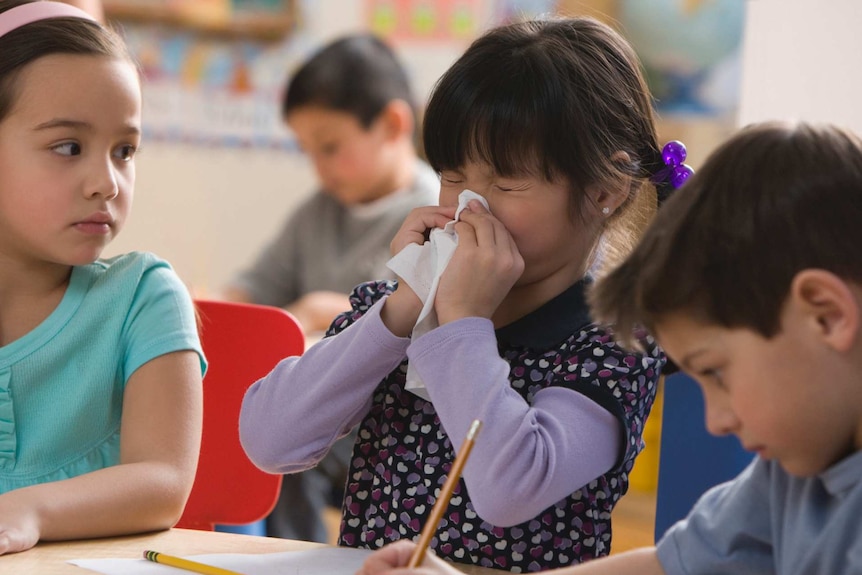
451,177
512,187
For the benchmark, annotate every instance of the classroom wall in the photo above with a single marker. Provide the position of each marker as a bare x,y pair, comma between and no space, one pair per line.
208,209
801,61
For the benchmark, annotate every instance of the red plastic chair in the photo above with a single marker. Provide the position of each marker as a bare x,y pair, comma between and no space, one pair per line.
242,343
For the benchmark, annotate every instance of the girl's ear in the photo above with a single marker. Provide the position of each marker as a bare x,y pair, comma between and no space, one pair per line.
606,198
397,119
830,306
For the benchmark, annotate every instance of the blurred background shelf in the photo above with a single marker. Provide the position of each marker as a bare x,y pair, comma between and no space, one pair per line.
212,18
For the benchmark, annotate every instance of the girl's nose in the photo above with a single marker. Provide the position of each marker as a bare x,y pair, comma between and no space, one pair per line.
102,181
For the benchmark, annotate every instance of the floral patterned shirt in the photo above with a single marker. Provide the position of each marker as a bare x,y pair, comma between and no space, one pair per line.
402,453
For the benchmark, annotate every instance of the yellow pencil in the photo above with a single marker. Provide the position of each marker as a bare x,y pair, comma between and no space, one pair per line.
445,494
181,563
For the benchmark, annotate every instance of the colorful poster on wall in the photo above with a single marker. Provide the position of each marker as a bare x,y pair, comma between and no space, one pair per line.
211,91
424,20
516,10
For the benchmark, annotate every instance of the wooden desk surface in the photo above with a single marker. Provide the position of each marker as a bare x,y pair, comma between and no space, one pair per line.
50,558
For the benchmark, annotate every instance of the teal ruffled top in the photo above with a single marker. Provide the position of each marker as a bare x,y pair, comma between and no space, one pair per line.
62,384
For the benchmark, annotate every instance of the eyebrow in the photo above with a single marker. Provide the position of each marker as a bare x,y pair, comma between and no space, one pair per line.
66,123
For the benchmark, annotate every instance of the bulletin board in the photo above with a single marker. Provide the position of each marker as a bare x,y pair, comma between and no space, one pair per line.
213,69
258,19
411,20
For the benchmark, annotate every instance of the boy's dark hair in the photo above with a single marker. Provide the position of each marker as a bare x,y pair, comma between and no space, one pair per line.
358,74
44,38
551,98
773,200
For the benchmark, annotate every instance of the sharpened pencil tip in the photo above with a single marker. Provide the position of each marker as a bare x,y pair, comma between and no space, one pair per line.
474,429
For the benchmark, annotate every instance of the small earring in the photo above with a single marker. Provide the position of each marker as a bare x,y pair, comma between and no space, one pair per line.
606,210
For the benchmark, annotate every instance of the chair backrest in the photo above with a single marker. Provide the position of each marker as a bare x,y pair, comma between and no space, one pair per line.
242,343
690,459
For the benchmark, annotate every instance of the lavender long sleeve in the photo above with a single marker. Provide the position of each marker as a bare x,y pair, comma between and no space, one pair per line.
530,454
527,456
291,417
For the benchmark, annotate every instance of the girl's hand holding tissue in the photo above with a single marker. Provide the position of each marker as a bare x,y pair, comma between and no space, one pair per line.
483,269
402,308
418,223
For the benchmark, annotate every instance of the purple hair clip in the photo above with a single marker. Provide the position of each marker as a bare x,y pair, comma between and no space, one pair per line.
675,170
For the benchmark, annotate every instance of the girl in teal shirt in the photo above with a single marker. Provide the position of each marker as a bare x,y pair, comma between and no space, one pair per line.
100,363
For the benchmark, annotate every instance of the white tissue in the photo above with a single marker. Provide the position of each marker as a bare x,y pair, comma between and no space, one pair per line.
421,267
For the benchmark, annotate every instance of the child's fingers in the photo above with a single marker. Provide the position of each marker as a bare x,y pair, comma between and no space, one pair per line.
416,225
477,216
12,541
467,233
388,557
393,559
426,218
483,232
490,247
482,270
433,570
489,230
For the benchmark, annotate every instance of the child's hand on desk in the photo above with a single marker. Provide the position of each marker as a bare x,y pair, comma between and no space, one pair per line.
483,269
393,559
19,529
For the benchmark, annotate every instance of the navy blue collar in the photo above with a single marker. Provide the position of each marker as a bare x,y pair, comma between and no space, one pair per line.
552,323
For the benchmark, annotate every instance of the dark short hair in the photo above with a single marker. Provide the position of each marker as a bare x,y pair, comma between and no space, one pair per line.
358,74
555,99
44,38
773,200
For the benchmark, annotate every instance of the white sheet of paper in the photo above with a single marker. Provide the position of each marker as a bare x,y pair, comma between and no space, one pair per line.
324,561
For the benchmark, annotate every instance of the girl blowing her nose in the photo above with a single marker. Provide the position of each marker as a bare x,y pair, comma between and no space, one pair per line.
551,123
